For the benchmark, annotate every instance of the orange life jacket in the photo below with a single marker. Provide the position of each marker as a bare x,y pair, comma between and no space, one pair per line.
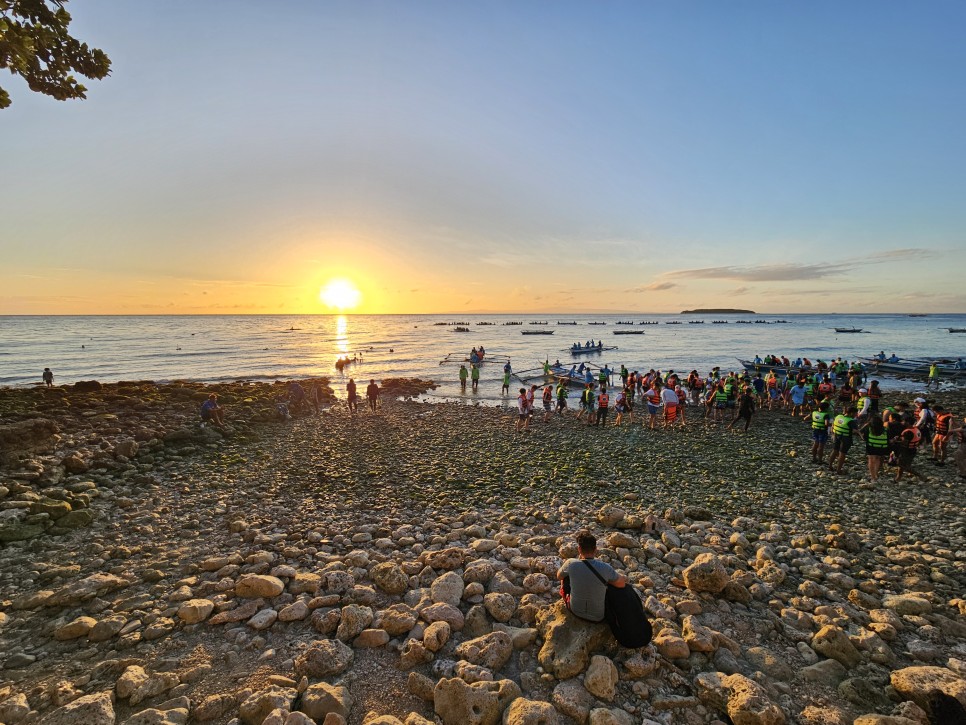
653,396
942,423
916,439
602,401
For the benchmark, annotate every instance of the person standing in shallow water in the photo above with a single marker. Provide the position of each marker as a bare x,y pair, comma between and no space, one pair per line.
48,377
475,377
580,588
463,375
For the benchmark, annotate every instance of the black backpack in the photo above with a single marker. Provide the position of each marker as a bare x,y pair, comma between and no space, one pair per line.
624,613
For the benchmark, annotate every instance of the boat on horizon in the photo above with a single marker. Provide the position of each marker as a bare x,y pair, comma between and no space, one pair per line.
537,332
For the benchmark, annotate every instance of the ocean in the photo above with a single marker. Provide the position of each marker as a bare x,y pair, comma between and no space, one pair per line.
281,347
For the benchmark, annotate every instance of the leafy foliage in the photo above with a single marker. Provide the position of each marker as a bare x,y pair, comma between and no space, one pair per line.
35,44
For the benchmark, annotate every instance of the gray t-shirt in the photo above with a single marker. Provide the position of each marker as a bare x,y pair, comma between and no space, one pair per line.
586,591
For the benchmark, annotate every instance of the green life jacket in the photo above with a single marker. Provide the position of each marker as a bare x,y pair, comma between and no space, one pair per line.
880,441
840,426
819,420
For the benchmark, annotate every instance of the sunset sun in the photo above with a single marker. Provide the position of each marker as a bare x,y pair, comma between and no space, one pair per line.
340,294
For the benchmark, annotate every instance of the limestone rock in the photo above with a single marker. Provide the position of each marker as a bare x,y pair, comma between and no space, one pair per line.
907,604
446,559
835,644
530,712
706,574
322,698
324,658
390,578
443,612
78,592
601,678
436,636
397,619
95,709
173,712
915,683
369,638
136,685
74,629
354,619
744,700
448,589
492,650
568,642
294,612
482,703
500,606
612,716
252,586
257,707
572,699
195,610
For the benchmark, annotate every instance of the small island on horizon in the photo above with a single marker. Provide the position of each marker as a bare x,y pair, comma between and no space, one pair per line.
718,311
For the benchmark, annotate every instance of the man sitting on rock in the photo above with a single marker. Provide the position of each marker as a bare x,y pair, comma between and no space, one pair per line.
583,580
213,413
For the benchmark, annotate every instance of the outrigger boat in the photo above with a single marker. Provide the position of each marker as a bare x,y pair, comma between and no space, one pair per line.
849,329
463,358
628,332
955,329
537,332
566,323
581,350
947,367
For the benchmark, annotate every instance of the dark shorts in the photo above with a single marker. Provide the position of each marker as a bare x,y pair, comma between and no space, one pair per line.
819,436
841,444
730,404
206,415
881,452
905,456
561,403
773,393
524,416
547,405
653,409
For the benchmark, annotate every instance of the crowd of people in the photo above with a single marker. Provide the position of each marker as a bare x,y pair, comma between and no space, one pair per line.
834,399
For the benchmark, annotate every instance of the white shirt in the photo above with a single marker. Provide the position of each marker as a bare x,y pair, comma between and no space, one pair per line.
669,397
522,404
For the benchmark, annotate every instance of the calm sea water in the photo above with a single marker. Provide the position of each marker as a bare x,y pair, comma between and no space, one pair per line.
221,348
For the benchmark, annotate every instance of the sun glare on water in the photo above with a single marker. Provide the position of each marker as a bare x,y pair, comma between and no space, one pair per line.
340,294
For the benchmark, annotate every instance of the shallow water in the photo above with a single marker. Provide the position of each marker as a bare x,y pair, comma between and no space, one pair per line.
266,347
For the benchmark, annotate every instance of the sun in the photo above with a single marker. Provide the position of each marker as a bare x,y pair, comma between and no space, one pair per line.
340,294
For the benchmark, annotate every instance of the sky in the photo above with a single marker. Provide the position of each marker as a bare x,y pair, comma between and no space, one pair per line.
494,157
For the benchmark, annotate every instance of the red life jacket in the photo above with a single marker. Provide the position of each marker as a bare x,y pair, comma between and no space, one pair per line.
602,401
913,442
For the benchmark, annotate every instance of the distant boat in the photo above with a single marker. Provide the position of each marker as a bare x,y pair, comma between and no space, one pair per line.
537,332
848,329
588,350
566,323
956,329
461,329
596,323
919,314
628,332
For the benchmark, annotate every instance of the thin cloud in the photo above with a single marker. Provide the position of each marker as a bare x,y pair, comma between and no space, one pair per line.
792,272
654,287
740,290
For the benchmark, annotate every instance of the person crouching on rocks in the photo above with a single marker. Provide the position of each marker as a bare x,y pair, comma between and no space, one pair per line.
584,580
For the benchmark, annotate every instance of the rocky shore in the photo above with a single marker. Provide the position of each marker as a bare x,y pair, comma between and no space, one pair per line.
398,567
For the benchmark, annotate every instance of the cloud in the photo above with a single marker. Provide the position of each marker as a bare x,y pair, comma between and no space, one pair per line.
740,290
767,272
792,272
654,287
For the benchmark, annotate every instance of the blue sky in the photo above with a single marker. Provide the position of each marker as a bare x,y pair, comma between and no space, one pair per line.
495,156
